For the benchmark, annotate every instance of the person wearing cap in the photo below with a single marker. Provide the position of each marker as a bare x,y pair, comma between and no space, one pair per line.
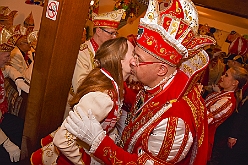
167,124
7,17
105,28
11,126
235,60
29,23
21,58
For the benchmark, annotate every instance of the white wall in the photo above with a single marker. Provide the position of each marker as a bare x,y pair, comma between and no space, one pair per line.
225,27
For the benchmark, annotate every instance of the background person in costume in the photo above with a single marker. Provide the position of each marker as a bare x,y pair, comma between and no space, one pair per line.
216,69
167,124
7,17
21,58
221,105
105,28
11,126
101,91
238,136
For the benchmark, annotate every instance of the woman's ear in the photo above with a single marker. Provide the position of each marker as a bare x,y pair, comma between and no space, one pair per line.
235,83
162,70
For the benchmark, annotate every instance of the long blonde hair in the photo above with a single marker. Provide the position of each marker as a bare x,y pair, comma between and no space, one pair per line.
109,57
241,75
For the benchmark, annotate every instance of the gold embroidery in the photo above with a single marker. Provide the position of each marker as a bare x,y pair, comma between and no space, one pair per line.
154,104
150,15
69,138
162,50
83,46
169,138
149,42
193,109
111,155
174,27
197,108
178,9
188,69
201,138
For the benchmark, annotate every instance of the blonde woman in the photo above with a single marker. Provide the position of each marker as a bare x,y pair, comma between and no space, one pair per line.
221,105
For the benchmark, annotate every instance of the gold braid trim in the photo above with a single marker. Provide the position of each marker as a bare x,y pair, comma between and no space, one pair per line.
112,157
197,109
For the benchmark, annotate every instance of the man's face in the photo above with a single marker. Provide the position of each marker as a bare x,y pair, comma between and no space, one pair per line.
107,33
144,66
7,23
23,44
4,58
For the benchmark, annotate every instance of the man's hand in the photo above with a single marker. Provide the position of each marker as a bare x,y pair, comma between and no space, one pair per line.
21,85
13,150
231,142
83,127
216,88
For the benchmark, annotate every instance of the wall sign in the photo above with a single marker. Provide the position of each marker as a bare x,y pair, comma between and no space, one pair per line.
52,9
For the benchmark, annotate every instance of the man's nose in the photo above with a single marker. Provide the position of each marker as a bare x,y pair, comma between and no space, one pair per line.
132,62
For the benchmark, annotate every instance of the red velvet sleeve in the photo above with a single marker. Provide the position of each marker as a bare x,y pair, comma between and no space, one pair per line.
129,97
110,153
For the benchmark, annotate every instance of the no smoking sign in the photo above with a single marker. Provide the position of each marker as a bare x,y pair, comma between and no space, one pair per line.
52,9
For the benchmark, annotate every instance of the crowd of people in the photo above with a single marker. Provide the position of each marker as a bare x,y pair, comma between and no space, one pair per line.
13,47
165,117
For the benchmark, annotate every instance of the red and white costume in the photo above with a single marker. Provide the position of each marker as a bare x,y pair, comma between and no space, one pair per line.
159,132
168,123
219,106
61,147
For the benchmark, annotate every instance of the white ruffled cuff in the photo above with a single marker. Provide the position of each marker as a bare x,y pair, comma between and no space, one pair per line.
97,141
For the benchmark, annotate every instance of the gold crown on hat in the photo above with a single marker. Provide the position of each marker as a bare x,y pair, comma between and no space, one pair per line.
171,34
17,32
18,29
29,21
4,36
6,13
109,19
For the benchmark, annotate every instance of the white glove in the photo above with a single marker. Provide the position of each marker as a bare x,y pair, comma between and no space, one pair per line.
86,129
13,150
21,85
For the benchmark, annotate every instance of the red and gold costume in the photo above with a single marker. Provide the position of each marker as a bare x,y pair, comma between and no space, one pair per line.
220,106
160,132
3,101
168,123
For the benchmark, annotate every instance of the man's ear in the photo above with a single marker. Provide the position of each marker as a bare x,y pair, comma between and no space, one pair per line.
163,69
98,31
